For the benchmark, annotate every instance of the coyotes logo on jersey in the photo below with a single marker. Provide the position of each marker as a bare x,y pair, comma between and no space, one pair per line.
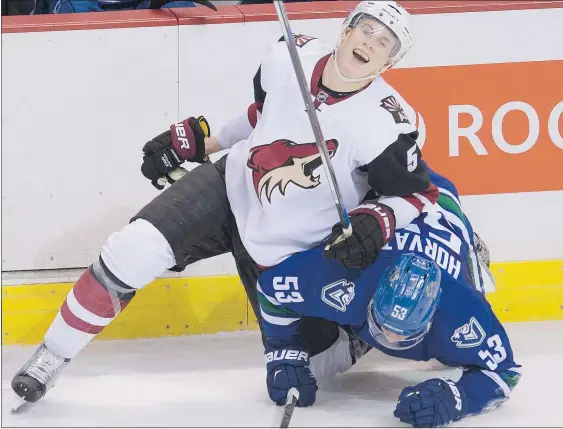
282,162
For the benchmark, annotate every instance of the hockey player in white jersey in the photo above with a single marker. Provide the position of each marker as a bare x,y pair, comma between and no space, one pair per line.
268,198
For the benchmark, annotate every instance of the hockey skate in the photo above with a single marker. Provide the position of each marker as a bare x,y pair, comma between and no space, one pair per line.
37,376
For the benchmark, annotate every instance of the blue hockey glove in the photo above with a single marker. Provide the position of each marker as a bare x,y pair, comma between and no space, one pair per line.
432,403
287,368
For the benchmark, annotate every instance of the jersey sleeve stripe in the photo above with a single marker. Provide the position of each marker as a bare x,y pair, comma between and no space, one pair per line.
279,321
450,206
444,191
475,270
448,203
428,197
453,214
419,200
511,377
415,201
498,380
266,305
254,113
403,210
266,297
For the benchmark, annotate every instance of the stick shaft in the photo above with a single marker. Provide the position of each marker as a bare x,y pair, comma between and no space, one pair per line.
291,402
319,139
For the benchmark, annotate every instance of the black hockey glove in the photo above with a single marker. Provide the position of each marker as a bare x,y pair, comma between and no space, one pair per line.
373,225
184,142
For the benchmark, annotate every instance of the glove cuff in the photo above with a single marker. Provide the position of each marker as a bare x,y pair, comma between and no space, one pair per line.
458,394
287,356
188,140
382,213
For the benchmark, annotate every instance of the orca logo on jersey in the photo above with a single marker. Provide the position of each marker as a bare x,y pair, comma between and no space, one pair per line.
392,106
282,162
469,335
338,294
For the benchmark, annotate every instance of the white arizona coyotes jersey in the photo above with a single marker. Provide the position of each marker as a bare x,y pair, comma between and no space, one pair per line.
276,183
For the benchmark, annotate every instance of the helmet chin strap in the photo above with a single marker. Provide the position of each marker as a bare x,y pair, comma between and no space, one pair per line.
359,79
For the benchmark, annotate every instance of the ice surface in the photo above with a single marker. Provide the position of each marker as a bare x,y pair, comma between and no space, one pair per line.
219,380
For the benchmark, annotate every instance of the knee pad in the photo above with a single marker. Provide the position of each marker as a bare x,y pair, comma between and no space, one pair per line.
137,254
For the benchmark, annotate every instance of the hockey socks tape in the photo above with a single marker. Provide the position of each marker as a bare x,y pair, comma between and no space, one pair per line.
95,300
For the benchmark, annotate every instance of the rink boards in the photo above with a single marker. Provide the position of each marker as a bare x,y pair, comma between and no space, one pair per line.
526,291
490,116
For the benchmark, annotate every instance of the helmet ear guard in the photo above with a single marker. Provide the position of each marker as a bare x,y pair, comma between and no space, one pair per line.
405,301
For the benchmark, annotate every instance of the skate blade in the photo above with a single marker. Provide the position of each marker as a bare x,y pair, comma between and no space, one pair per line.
19,404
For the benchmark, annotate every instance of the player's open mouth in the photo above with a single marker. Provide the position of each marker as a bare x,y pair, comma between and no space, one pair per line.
311,166
360,57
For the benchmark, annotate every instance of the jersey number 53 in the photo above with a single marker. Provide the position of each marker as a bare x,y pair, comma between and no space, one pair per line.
493,359
287,290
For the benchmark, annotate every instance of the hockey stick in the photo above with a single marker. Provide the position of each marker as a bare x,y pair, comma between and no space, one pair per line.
291,402
175,175
319,139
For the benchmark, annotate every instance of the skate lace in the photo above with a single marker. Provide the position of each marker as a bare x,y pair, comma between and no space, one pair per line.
44,365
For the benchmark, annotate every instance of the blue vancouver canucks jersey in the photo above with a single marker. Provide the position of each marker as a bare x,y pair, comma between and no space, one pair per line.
464,333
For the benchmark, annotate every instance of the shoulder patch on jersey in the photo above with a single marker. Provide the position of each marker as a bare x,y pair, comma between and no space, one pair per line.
469,335
338,294
301,39
391,104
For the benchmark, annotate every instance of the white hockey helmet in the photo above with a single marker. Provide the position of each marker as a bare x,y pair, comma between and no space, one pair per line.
394,17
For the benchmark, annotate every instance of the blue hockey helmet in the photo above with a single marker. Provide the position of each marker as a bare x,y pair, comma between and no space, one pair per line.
400,312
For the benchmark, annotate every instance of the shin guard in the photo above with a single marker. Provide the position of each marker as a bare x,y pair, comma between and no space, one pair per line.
94,301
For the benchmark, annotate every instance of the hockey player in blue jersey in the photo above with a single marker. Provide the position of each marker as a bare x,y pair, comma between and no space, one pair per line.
422,298
80,6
